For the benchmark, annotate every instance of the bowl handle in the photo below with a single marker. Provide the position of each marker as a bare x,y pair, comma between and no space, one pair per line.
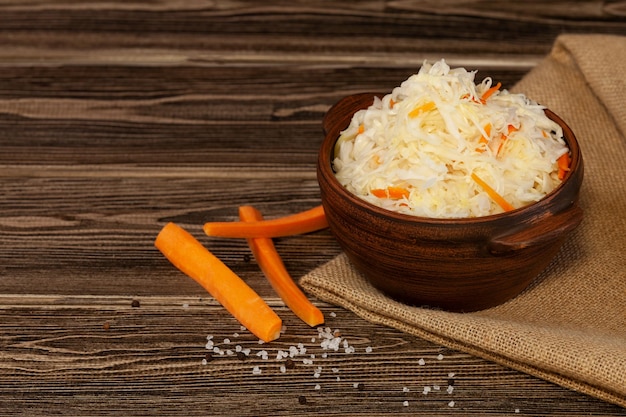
545,230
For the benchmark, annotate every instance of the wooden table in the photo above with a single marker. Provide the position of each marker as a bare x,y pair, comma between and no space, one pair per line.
116,117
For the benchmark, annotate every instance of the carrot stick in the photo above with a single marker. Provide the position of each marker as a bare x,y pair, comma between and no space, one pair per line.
563,163
510,129
422,108
274,269
188,255
484,139
394,193
295,224
493,194
490,92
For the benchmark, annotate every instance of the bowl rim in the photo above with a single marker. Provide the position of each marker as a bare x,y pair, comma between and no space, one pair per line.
325,170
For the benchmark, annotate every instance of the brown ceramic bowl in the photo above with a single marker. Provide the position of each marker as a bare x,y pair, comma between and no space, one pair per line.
453,264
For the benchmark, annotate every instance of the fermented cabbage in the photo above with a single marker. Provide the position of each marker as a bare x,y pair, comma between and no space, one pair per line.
442,146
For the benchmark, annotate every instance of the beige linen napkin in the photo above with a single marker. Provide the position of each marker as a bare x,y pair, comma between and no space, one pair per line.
569,326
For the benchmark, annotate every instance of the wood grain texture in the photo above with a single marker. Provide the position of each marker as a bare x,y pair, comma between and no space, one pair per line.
118,116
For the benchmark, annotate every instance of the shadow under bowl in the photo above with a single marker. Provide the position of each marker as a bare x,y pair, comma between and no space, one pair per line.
459,265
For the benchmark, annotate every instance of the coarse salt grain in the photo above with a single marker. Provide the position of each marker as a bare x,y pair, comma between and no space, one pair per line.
283,369
256,370
450,389
451,404
317,386
406,403
440,357
405,389
426,390
421,362
204,362
333,314
226,341
368,349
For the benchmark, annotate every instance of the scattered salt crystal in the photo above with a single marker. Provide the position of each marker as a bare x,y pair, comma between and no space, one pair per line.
307,361
355,385
204,362
229,352
406,403
421,362
450,389
333,314
245,351
261,341
226,341
216,349
426,390
436,387
238,348
209,345
517,411
312,355
209,337
256,370
316,375
312,340
283,369
324,355
185,305
235,335
263,354
243,328
451,375
405,389
335,370
368,349
317,386
440,357
451,404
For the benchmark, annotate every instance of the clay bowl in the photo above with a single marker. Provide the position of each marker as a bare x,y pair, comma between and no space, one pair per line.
457,265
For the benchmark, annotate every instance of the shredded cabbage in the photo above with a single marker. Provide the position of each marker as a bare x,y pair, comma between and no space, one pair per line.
414,151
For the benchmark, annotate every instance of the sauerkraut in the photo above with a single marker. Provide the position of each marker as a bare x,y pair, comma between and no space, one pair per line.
442,146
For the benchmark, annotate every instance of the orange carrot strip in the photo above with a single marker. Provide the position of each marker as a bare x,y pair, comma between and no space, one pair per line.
361,129
490,92
391,103
394,193
189,256
295,224
485,139
563,163
274,269
510,129
423,108
493,194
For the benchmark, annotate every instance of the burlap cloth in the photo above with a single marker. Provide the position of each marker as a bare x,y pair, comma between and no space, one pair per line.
569,326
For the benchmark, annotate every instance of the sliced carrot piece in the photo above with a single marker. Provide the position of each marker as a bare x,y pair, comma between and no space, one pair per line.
510,129
484,139
295,224
493,193
563,163
392,192
490,92
192,258
274,269
429,105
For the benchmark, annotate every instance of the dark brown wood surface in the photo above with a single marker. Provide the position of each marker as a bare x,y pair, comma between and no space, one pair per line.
118,116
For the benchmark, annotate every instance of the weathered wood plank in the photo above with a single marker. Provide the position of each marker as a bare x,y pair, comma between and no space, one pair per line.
60,354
